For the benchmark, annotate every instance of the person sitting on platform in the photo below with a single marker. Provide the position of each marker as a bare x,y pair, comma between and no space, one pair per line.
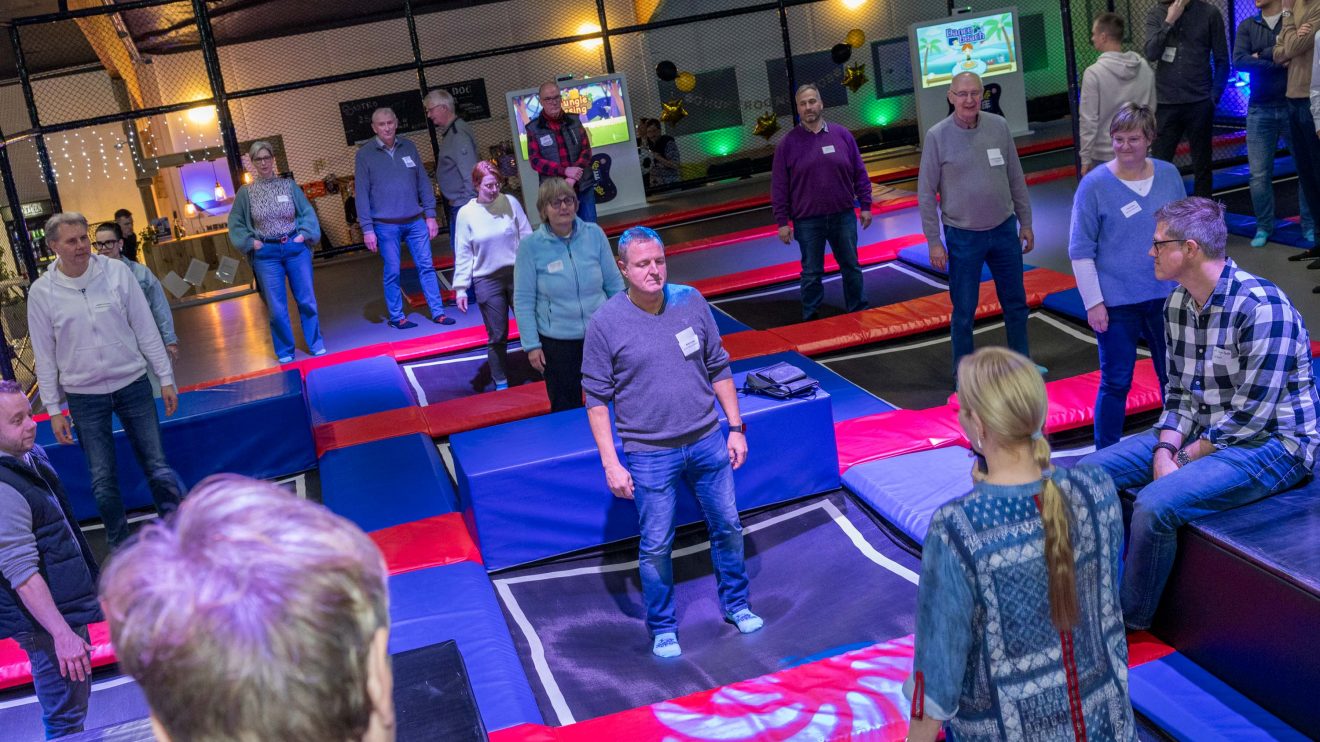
655,352
110,243
1240,410
253,614
1019,633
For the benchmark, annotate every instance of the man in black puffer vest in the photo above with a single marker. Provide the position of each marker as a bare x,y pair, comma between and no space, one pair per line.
48,590
558,146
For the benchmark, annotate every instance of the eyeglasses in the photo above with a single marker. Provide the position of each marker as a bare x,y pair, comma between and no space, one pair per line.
106,244
1156,244
966,94
563,201
265,158
548,98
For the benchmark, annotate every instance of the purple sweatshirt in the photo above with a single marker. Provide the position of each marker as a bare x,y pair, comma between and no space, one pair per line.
658,369
817,174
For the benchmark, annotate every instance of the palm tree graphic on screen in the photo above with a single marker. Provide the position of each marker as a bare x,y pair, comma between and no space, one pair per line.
1003,25
926,45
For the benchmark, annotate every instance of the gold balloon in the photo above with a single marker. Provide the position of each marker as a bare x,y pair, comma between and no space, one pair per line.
766,125
855,38
854,77
685,82
673,111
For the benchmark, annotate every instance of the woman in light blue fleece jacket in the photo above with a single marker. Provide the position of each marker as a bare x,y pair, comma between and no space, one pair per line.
564,271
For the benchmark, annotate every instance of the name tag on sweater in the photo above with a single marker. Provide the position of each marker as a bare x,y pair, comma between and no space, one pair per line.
688,342
996,157
103,307
1170,53
407,161
547,140
282,198
1132,208
556,266
827,149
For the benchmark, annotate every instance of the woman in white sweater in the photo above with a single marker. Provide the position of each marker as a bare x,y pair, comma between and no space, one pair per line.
486,235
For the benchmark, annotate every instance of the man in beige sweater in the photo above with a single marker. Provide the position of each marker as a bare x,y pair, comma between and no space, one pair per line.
1301,18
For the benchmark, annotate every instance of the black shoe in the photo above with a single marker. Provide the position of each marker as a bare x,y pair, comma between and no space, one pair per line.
443,319
1316,290
1311,254
401,324
1314,265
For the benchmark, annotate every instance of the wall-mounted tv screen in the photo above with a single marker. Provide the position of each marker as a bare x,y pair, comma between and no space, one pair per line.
982,45
598,103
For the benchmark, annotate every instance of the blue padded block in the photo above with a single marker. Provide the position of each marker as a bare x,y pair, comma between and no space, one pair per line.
357,388
1067,303
907,490
385,483
1285,232
1239,175
1188,703
457,602
534,488
919,256
727,325
258,427
848,400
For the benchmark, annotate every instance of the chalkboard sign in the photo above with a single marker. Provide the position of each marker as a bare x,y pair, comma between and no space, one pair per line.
470,101
356,114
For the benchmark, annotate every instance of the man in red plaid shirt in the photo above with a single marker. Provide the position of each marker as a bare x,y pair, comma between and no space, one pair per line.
558,146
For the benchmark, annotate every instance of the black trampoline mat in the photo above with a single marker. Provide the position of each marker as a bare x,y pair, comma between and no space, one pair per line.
885,283
464,374
824,577
918,374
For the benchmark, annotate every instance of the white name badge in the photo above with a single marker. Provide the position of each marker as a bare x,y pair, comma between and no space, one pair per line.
408,161
556,266
996,157
1222,355
827,149
282,198
106,306
547,140
1170,52
688,342
1132,208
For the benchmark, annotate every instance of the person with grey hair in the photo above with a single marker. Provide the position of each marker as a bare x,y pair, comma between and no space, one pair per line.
559,146
274,224
655,353
93,336
1240,409
271,608
457,154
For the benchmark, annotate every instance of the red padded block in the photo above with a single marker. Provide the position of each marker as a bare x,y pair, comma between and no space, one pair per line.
753,343
1143,647
15,670
367,428
683,215
729,238
1072,401
449,341
894,433
483,410
877,252
1046,176
1315,348
426,543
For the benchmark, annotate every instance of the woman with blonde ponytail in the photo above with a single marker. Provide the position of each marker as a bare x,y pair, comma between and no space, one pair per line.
1019,630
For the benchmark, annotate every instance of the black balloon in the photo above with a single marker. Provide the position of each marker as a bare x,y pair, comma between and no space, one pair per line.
841,53
666,71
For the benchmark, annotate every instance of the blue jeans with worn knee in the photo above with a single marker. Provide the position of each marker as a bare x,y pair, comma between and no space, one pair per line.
1128,325
273,263
1001,250
1266,125
136,408
840,231
704,465
388,239
1225,479
63,700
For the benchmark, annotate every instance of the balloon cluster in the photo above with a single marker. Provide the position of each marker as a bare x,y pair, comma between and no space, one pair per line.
673,111
854,76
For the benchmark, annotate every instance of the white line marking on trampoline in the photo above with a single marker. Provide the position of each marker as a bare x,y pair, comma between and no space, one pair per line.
920,276
557,701
1077,332
418,391
102,685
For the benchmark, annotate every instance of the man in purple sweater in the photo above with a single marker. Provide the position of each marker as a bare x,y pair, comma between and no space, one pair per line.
654,351
818,176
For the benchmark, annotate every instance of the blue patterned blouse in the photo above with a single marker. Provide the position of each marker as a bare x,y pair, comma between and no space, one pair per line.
987,659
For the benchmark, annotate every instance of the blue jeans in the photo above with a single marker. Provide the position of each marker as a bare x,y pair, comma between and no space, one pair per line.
63,700
1000,249
705,467
292,260
840,230
136,408
587,203
1225,479
388,237
1128,324
1266,125
1305,151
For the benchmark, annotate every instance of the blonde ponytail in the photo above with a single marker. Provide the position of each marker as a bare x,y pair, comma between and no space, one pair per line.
1058,545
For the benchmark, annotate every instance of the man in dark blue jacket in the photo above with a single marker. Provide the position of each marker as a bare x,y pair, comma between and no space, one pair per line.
48,590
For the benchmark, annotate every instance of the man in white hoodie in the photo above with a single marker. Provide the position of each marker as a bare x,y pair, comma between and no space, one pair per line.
1117,77
94,336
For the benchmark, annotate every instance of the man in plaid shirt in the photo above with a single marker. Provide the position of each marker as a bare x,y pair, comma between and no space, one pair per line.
1240,410
558,146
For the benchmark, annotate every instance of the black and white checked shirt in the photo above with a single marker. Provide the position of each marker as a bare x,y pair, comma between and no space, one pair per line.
1240,367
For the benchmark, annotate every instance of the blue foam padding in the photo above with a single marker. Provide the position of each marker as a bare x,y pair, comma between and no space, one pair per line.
257,427
535,488
385,483
907,490
1240,175
457,602
727,325
919,256
357,388
848,400
1285,232
1067,303
1188,703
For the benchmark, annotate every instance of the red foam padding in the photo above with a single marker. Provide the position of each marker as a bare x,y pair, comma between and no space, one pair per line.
15,670
439,263
1315,348
451,341
889,434
422,544
682,215
367,428
1053,174
483,410
1143,647
1072,401
729,283
753,343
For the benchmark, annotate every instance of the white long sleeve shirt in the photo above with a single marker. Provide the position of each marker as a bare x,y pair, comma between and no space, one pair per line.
486,239
94,334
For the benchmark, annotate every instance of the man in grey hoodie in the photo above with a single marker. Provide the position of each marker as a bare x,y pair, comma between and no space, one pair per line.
1117,77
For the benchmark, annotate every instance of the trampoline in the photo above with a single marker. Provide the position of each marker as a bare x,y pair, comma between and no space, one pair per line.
884,283
579,623
463,374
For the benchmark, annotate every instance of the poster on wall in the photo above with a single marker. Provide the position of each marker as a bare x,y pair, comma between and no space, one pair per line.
814,67
892,62
356,114
470,102
713,104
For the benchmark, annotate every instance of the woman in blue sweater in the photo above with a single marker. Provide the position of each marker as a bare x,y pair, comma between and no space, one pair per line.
564,271
1113,222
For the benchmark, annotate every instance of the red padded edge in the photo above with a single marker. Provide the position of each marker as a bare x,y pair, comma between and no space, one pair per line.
440,263
1315,348
1072,401
878,252
367,428
16,671
889,434
1053,174
426,543
674,217
449,341
1143,647
483,410
753,343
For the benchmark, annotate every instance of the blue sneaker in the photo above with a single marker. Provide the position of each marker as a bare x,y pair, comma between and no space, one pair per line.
500,385
1260,239
746,621
1043,371
1310,235
666,645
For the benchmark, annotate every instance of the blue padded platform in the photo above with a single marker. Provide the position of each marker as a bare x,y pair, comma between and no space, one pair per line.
257,427
1188,703
1240,175
1285,232
725,324
919,256
907,490
1067,303
357,388
848,400
458,602
534,488
388,482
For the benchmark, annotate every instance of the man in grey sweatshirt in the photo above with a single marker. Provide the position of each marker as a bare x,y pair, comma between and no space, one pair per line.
1117,77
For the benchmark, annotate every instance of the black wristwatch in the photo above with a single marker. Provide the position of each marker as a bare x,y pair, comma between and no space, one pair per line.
1172,449
740,428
